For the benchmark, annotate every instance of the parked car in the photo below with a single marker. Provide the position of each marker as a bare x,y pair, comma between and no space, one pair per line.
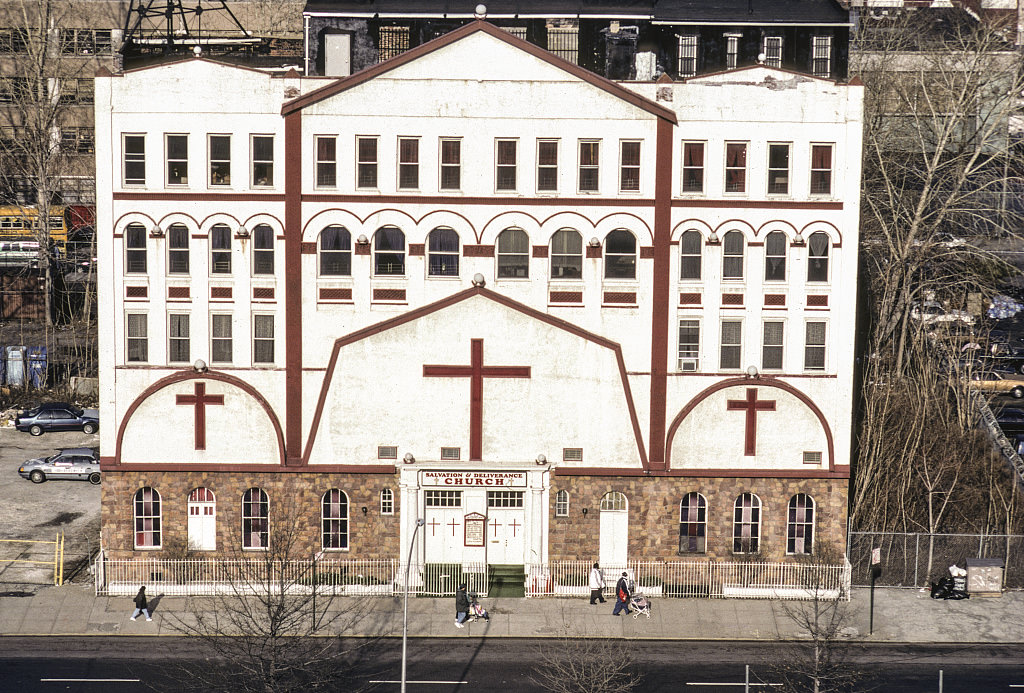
929,312
70,463
57,416
999,382
1011,420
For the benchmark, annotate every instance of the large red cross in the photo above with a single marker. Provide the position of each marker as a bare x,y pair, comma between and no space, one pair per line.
476,372
200,399
751,405
494,526
434,524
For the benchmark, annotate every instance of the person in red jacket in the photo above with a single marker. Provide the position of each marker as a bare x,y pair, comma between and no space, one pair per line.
621,595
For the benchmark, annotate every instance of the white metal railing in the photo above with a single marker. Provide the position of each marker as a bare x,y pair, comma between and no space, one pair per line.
385,577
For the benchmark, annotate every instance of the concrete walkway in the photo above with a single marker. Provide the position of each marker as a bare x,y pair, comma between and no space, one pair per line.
900,616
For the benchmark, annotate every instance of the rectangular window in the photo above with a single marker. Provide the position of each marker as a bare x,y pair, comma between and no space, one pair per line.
821,58
590,152
135,249
263,160
689,345
629,167
177,249
735,167
687,55
547,165
220,339
773,51
451,164
220,249
814,347
326,161
505,165
732,51
220,159
134,148
778,169
263,249
366,162
138,338
80,140
693,167
821,169
732,344
442,499
771,346
177,159
504,499
408,163
178,338
263,338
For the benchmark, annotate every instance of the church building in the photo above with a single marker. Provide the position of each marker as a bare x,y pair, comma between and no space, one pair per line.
552,315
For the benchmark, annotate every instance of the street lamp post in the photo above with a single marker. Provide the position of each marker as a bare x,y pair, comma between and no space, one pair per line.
405,610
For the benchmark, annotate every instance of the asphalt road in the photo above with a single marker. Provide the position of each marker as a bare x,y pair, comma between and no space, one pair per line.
127,665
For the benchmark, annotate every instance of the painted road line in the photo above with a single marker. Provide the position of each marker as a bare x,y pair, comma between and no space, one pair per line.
89,680
437,683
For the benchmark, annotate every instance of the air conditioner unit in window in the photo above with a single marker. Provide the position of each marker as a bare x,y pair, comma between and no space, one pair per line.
688,365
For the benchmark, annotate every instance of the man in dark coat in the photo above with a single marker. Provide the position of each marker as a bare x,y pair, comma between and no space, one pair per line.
621,595
141,607
461,606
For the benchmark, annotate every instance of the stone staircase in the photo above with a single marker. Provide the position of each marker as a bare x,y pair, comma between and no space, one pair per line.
506,581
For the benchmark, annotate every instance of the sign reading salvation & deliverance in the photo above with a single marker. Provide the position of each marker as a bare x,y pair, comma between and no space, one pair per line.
462,479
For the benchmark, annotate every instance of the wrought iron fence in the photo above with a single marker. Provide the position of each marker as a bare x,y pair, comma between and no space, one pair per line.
916,560
385,577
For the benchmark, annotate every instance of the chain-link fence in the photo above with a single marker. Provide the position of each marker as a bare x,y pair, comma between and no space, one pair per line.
916,560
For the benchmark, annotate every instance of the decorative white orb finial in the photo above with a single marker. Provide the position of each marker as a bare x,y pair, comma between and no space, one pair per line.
752,371
480,12
197,50
478,280
199,366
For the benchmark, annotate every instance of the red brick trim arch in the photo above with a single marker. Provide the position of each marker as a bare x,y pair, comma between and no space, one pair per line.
183,376
745,382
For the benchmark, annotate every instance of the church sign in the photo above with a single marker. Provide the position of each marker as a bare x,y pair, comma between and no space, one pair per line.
464,479
474,529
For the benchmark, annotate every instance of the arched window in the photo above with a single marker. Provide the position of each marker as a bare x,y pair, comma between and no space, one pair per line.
177,249
220,249
443,253
566,254
335,252
800,525
562,503
513,254
613,500
389,251
693,523
620,255
334,520
147,518
263,249
732,255
817,257
691,246
387,502
746,524
775,257
255,519
135,249
202,520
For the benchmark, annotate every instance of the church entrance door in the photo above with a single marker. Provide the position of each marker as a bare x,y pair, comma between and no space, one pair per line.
614,529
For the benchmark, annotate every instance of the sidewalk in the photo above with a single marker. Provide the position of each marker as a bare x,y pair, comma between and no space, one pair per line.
901,616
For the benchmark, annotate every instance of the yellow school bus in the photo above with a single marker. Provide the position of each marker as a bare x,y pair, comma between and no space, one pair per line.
22,224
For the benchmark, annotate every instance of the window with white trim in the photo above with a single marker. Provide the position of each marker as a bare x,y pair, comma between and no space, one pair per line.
334,520
746,524
567,254
263,249
513,254
133,148
408,163
389,251
387,502
202,519
778,168
689,345
814,345
772,49
220,159
137,338
614,500
821,169
620,255
800,525
135,249
733,247
366,162
629,166
255,519
220,249
442,499
732,51
147,518
176,148
178,338
735,167
177,249
693,523
220,338
263,160
451,163
335,252
687,49
547,165
775,247
772,344
693,167
821,56
443,252
731,347
262,338
589,165
817,257
505,162
562,503
691,248
326,161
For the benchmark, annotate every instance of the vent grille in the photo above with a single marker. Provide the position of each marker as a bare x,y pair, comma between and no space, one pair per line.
177,292
572,454
689,299
627,297
263,292
387,452
136,291
389,294
818,301
732,299
335,294
812,457
450,453
775,299
220,292
566,297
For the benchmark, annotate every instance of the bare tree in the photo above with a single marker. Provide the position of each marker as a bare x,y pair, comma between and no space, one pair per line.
276,628
571,664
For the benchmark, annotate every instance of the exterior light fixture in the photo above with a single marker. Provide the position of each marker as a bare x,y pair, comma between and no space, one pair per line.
594,243
480,12
408,459
713,238
751,371
478,280
199,366
541,459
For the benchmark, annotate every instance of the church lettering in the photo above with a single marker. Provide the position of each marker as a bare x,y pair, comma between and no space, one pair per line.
463,479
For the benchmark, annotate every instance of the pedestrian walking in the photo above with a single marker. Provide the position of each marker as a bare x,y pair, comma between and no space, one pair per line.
141,606
621,595
596,585
461,606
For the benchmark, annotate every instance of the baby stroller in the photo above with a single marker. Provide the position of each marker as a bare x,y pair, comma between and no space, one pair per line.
639,604
477,612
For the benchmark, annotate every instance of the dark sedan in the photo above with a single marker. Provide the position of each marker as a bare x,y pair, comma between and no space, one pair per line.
1011,420
57,416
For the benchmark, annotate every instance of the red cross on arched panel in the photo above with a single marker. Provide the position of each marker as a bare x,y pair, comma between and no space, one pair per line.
751,405
199,400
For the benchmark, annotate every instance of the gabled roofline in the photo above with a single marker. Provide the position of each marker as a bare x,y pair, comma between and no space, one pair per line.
462,32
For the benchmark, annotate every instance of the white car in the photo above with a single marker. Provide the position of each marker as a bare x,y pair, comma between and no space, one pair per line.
929,312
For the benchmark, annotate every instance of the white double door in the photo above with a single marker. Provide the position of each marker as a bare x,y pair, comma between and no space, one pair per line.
504,532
